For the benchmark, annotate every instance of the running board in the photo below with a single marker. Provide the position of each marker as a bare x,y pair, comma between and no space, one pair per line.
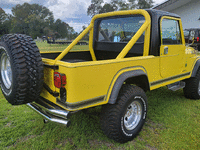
50,113
176,86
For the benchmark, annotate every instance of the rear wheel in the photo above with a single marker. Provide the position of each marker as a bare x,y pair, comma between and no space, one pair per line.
192,87
21,69
6,71
123,120
198,47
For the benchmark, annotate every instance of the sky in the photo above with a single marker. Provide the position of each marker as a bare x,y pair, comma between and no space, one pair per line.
73,12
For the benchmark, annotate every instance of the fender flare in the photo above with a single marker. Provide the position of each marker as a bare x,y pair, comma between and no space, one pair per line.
120,80
196,66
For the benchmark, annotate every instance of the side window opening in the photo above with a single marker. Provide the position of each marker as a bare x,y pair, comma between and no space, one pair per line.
170,32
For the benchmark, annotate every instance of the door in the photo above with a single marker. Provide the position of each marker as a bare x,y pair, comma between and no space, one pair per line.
171,49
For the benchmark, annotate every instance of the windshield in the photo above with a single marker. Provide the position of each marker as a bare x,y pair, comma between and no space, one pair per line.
120,29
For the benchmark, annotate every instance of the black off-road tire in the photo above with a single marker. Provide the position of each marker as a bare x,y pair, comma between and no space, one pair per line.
198,47
26,68
192,87
113,116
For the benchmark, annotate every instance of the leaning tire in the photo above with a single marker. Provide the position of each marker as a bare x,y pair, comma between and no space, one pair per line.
123,121
198,47
192,87
21,69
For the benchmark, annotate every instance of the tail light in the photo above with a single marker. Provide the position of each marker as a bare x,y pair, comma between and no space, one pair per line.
59,79
197,39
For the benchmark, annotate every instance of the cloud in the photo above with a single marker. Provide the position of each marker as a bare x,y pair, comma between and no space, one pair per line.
8,4
8,11
77,26
68,8
72,12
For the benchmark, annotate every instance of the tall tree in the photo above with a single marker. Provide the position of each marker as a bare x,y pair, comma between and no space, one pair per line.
122,5
86,37
4,26
107,8
132,4
95,7
3,16
31,19
142,4
61,28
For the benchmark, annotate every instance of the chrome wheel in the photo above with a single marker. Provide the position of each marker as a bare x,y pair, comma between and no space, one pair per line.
133,115
199,88
6,72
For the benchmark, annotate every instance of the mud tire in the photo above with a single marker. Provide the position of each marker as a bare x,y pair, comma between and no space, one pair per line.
26,67
113,116
192,87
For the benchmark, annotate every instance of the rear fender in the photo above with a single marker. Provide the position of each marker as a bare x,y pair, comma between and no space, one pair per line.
119,80
196,67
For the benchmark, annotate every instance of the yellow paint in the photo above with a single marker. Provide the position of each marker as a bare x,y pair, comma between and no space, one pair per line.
92,79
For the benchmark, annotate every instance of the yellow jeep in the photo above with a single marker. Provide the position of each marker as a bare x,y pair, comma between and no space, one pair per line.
130,52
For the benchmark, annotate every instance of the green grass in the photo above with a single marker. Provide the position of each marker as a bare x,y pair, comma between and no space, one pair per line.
173,122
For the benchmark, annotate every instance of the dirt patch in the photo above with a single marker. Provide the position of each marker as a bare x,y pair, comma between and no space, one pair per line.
8,124
153,125
96,144
70,141
26,138
151,147
62,144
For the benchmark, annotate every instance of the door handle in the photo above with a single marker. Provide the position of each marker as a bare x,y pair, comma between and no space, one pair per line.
165,50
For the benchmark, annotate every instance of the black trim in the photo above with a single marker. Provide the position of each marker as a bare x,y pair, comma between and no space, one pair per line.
120,80
43,100
54,67
168,79
71,57
80,104
196,67
55,94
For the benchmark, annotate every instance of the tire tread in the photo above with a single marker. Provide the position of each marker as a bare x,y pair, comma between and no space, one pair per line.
28,68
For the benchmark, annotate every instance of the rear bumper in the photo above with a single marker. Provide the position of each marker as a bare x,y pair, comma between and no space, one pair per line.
50,112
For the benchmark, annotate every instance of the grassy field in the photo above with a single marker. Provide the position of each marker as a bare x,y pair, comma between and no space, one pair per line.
173,122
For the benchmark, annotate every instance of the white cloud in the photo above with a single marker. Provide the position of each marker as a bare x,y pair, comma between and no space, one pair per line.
72,12
8,11
68,8
18,1
77,26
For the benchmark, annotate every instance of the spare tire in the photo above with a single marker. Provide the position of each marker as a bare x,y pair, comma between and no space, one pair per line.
21,76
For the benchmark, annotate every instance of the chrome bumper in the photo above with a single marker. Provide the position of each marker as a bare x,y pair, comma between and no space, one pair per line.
51,113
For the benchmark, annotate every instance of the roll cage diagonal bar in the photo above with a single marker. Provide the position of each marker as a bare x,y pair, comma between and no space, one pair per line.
145,27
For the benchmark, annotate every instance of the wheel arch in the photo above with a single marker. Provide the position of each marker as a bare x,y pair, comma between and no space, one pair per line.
137,77
196,67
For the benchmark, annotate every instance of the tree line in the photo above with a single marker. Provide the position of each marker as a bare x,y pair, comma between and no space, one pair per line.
34,20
